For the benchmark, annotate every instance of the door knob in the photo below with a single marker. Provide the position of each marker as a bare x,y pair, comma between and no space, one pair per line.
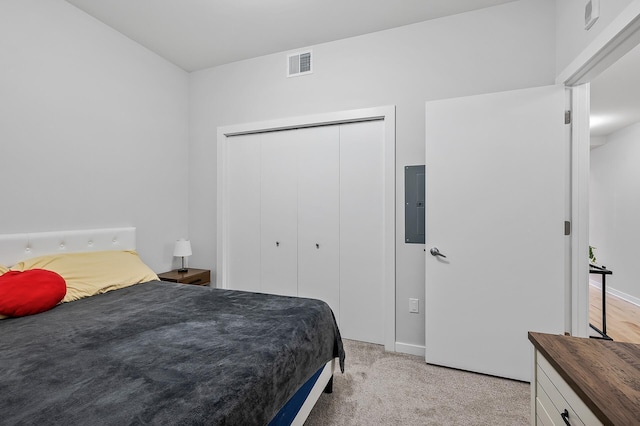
435,252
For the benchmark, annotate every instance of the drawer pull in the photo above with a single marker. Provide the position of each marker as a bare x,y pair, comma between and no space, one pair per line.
565,417
200,279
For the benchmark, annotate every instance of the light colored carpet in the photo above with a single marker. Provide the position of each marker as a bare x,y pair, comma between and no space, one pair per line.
379,388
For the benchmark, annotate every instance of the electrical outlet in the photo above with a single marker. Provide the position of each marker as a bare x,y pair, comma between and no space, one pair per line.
414,306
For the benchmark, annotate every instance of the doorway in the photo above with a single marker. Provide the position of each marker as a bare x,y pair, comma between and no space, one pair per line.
620,37
613,200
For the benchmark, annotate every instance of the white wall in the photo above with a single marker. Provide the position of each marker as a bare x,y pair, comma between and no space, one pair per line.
572,37
506,47
93,129
614,208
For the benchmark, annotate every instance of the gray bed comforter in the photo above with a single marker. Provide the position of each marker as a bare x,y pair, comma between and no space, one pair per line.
162,354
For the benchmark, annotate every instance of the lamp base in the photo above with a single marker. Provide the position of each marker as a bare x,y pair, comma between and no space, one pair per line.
183,269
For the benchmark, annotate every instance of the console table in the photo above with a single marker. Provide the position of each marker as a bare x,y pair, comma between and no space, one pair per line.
603,271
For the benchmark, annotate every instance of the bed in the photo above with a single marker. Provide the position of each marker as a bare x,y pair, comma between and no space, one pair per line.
158,352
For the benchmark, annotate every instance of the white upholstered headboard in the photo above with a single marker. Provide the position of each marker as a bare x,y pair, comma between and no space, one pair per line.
17,247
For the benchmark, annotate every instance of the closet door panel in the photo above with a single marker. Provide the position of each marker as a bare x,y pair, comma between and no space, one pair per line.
279,199
319,215
361,231
243,223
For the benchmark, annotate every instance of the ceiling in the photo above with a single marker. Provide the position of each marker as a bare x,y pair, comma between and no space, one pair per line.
199,34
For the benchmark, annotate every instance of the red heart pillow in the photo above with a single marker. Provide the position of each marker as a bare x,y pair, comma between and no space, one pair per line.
30,292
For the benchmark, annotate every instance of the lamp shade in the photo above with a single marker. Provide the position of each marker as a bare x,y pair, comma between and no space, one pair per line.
182,248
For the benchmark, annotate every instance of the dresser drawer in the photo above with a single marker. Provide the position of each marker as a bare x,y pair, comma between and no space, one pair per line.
554,403
542,415
201,278
556,396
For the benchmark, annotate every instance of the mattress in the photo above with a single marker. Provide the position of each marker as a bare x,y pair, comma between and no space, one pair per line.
163,353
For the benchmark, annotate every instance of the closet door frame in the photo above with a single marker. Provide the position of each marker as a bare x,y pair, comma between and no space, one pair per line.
387,114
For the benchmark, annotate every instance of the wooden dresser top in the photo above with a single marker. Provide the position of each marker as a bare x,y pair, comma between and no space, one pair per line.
604,374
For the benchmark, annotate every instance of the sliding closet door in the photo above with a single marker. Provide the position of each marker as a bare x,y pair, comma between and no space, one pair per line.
243,223
306,218
279,213
319,215
362,231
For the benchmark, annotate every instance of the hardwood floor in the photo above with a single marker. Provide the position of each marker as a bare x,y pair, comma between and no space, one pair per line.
623,318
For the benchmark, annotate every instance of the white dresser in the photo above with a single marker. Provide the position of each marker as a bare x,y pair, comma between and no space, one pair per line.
587,382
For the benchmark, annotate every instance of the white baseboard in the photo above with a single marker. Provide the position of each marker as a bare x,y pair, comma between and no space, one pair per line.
612,291
407,348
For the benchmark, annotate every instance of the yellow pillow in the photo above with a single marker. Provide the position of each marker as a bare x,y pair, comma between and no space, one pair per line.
3,269
90,273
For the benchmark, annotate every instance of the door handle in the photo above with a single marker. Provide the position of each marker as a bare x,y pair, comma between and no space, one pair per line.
435,252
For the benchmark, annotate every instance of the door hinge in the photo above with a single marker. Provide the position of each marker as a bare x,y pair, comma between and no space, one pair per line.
567,227
567,117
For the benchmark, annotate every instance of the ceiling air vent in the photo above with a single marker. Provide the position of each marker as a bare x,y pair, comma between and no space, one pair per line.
299,64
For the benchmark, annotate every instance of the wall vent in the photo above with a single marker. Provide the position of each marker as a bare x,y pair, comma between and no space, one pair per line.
299,64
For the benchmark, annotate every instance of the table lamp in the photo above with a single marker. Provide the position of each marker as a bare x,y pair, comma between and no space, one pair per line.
182,249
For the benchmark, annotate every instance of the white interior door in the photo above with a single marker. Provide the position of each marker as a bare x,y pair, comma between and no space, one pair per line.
319,215
495,208
279,213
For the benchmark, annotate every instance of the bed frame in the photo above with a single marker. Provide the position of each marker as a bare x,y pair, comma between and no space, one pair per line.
17,247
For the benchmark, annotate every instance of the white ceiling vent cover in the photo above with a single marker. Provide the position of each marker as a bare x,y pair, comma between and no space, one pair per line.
299,64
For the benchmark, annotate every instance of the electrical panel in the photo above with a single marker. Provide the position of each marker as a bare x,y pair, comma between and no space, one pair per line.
414,204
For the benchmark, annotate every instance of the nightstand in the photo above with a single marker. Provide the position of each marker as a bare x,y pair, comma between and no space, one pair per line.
192,276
